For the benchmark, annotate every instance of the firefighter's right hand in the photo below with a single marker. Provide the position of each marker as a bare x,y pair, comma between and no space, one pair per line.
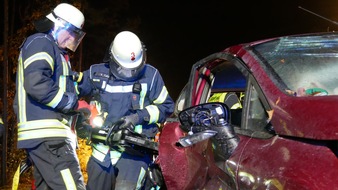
128,122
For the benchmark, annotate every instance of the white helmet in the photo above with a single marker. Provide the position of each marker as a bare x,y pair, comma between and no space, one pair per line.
68,13
127,56
68,17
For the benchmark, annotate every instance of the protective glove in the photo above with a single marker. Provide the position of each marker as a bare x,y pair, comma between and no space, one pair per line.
129,122
83,128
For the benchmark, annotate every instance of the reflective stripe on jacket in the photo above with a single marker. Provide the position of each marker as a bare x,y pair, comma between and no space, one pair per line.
152,104
43,76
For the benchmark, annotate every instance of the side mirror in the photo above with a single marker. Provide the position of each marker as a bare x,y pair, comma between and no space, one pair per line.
204,115
196,138
209,120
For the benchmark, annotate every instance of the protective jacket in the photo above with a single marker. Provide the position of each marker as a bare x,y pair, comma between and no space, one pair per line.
43,88
147,96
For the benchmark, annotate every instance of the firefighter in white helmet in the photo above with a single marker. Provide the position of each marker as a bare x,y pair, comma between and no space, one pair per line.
133,93
46,95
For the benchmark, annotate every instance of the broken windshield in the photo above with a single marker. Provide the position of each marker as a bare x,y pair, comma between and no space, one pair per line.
307,65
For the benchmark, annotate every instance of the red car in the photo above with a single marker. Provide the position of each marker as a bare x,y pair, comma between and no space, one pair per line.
286,113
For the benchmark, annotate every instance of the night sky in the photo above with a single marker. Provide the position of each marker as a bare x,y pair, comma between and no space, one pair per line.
178,34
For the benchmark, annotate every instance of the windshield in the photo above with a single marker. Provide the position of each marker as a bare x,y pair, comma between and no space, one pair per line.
304,65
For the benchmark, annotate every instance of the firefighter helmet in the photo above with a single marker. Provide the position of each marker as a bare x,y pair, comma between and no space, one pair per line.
68,13
67,17
127,56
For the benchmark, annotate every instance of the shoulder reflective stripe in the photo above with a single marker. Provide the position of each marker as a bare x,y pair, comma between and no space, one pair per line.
153,112
68,179
141,177
1,121
162,97
57,99
40,56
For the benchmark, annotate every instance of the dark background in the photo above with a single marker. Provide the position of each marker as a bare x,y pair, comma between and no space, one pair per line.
179,33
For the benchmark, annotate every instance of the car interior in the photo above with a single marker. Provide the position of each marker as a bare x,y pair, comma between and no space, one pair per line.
229,82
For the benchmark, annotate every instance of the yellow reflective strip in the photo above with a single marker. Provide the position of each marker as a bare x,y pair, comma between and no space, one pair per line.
218,97
56,100
16,179
162,97
62,83
140,178
154,113
99,151
35,123
101,147
138,129
40,56
143,94
98,137
46,128
68,179
63,77
76,88
115,156
43,133
236,106
79,79
21,93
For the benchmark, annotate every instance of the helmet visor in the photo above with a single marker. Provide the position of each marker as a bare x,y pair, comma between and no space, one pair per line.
73,36
76,34
126,74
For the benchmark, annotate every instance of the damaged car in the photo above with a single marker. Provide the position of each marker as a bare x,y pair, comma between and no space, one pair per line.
282,98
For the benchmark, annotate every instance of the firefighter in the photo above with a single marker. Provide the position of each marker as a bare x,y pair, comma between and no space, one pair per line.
45,97
229,98
130,91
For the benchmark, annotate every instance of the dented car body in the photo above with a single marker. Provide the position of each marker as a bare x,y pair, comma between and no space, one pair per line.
287,123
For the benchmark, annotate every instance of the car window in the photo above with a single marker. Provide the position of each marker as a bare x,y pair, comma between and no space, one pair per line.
300,66
257,118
